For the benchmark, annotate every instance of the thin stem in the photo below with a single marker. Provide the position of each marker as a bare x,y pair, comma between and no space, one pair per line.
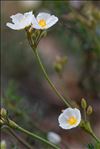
49,81
37,137
68,101
95,137
22,141
86,126
12,125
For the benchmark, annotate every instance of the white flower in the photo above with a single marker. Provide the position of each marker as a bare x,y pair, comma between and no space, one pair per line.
21,21
44,21
54,137
70,118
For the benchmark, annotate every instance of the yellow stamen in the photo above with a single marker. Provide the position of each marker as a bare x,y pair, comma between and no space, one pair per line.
72,120
42,23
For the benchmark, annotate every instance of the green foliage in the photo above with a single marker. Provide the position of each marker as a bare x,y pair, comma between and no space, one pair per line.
96,146
19,110
13,146
91,146
12,99
13,102
11,92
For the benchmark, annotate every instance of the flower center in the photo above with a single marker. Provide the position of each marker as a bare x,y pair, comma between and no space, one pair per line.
72,120
42,23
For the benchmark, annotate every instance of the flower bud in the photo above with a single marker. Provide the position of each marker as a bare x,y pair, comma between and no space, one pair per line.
89,110
83,103
3,112
54,137
58,67
12,124
63,60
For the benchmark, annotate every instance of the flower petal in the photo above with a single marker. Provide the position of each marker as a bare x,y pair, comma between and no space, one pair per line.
13,26
20,21
64,126
28,13
54,137
62,121
17,17
35,23
51,21
42,15
68,112
77,114
27,20
62,118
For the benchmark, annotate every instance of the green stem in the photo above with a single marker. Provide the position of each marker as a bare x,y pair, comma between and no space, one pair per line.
36,137
13,125
67,102
49,81
22,141
86,126
95,137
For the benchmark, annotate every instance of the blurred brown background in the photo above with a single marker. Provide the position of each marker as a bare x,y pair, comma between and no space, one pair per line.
24,91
